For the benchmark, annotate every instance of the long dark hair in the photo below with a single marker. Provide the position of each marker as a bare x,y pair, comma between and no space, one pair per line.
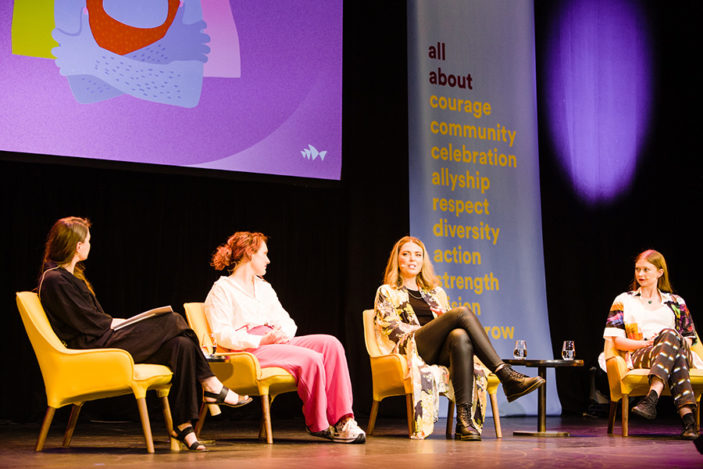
61,245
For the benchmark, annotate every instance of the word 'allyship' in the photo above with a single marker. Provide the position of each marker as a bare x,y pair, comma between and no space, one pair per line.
444,177
440,78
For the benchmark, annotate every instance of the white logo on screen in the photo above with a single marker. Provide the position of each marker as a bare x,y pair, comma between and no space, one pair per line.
311,153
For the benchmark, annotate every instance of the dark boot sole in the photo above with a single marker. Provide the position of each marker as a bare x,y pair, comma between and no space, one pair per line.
467,437
646,415
534,386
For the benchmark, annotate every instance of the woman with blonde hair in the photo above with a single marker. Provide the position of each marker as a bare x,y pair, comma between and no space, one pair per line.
245,314
655,328
413,318
80,322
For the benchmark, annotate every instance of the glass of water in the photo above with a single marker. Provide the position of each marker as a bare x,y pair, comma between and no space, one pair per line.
520,351
568,351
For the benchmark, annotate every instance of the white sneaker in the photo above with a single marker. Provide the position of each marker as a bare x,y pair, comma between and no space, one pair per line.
326,433
347,432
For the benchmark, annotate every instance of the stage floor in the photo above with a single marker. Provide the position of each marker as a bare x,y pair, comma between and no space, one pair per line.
115,444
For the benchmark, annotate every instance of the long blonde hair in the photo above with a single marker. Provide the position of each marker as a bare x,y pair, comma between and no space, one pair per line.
61,244
655,258
426,278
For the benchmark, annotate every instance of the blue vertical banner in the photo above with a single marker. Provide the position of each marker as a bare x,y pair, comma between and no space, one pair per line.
474,169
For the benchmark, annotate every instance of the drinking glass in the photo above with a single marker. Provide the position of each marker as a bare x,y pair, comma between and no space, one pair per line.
214,344
204,347
520,351
568,351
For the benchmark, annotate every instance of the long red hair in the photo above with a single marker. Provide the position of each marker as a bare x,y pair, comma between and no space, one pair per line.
655,258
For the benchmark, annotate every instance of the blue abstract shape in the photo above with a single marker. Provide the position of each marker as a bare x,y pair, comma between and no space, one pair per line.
169,71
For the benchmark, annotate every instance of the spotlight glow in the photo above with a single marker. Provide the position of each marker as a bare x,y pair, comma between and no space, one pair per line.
598,93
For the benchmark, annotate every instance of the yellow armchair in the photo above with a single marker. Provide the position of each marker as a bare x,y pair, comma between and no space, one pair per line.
389,375
73,376
624,383
242,373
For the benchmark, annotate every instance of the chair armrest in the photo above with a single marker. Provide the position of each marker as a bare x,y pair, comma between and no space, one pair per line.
90,371
392,366
242,367
616,368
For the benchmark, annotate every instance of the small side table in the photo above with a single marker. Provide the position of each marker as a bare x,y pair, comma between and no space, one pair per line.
542,366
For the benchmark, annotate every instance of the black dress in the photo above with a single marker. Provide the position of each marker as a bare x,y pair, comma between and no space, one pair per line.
80,322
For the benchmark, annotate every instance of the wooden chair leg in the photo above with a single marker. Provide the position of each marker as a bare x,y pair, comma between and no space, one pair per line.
496,415
625,414
201,420
71,426
372,417
410,412
146,426
168,420
266,417
612,414
48,417
450,419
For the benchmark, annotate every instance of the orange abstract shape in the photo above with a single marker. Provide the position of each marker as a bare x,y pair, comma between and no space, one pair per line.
121,38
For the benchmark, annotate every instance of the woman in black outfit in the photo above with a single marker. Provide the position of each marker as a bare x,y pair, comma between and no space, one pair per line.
80,322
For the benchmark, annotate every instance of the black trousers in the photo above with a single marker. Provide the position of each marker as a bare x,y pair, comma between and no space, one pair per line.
451,340
167,340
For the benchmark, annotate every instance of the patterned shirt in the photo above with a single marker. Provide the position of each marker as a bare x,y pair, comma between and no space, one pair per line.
628,311
629,319
396,323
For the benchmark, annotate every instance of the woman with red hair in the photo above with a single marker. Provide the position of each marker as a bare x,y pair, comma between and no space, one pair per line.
245,314
655,328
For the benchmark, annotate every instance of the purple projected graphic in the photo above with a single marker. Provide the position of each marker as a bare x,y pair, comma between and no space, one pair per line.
250,86
599,92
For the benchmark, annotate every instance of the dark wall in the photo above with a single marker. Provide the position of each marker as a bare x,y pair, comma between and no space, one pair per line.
154,231
590,249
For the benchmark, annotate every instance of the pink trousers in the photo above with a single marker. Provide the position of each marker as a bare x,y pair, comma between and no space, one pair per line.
319,364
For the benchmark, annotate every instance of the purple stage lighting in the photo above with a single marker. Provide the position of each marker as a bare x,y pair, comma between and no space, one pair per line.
598,93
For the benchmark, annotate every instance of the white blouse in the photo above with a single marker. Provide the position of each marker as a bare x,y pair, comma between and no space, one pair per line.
232,312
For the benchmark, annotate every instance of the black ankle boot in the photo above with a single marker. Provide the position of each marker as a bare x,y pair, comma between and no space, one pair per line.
647,407
516,384
465,429
689,427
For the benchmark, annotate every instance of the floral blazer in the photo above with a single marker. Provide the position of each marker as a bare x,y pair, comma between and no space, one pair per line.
396,324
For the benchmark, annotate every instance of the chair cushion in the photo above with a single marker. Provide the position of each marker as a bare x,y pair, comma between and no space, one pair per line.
273,372
145,371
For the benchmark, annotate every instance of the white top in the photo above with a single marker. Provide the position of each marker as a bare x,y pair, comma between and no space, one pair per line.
650,322
232,312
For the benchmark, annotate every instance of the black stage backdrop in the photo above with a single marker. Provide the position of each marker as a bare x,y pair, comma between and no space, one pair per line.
154,229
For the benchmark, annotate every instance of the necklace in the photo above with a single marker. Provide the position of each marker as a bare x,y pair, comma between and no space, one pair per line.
648,300
411,294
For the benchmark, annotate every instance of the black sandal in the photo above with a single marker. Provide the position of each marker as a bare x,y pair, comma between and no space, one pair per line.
195,446
222,395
